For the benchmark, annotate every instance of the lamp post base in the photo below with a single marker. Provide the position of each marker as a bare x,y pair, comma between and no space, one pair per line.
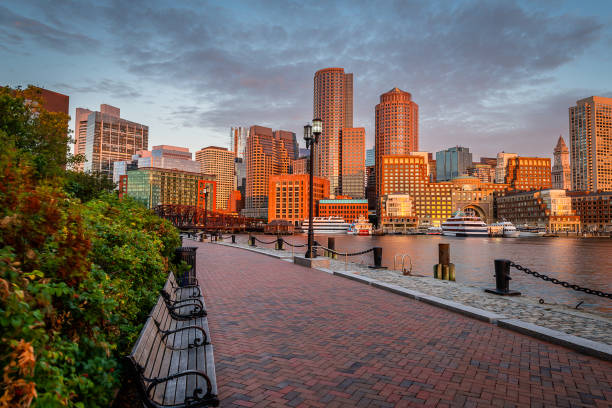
311,262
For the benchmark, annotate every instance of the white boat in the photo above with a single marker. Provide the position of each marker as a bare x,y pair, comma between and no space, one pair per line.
508,229
434,231
360,227
327,225
464,225
531,231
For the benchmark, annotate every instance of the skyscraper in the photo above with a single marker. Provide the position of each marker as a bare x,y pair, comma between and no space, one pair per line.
110,139
352,159
397,128
80,133
561,173
370,157
590,130
333,104
453,162
220,162
238,138
502,164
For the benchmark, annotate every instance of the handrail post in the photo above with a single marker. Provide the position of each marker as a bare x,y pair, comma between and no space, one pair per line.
502,279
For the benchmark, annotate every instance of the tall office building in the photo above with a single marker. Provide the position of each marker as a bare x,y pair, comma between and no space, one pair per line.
590,130
452,163
397,128
160,157
110,138
500,167
268,153
80,133
220,162
238,138
561,173
333,104
370,157
352,160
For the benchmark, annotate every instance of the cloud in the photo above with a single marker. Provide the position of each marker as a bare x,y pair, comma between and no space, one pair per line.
108,87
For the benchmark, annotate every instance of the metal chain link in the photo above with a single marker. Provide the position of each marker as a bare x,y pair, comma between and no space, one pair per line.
263,242
294,245
560,282
347,254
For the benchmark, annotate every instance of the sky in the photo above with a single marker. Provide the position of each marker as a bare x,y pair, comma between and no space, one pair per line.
489,75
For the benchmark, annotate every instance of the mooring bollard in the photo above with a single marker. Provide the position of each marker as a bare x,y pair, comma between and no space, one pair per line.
331,244
279,243
502,279
233,239
378,258
444,269
251,240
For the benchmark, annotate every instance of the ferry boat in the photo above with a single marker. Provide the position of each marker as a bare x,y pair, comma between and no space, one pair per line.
530,231
327,225
508,230
360,227
434,231
464,225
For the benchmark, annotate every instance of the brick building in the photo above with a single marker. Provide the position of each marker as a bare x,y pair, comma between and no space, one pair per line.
352,159
528,173
289,196
399,215
349,209
301,166
594,209
220,162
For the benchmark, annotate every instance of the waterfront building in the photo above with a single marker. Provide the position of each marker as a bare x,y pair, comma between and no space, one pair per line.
594,209
289,196
238,139
397,129
397,213
371,187
301,165
484,172
453,162
431,164
528,173
154,186
370,157
500,168
590,134
561,172
268,153
352,159
472,193
347,208
110,138
551,209
220,162
162,157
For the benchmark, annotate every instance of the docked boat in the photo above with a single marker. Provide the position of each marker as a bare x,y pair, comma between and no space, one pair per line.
361,227
434,231
464,225
327,225
506,229
531,231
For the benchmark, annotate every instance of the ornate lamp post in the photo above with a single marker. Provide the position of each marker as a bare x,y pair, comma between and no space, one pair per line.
205,191
311,136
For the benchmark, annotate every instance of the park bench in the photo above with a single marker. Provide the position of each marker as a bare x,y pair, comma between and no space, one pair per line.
184,291
180,307
173,361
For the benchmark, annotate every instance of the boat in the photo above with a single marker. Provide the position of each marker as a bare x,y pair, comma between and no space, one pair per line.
360,227
531,231
434,231
506,228
327,225
462,224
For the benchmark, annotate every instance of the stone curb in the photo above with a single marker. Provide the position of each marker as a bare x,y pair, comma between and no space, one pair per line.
584,346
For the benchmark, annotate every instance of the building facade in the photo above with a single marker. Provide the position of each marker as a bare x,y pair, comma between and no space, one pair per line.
111,138
561,171
80,134
551,209
220,162
484,172
398,215
352,159
349,209
370,189
502,163
528,173
370,157
594,210
590,131
238,140
162,157
397,128
333,104
289,196
301,166
453,162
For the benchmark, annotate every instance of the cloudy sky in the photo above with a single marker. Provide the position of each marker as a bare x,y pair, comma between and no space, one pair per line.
490,75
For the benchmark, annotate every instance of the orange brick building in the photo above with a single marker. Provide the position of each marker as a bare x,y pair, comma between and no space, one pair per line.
352,159
289,194
235,202
301,165
528,173
397,128
349,209
220,162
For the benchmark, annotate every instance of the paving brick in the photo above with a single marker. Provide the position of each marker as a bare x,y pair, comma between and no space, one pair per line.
285,335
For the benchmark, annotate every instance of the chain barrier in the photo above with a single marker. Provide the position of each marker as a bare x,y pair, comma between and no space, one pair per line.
345,254
264,242
294,245
560,282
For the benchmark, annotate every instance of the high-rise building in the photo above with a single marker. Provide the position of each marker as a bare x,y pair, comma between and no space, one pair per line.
161,157
561,173
371,187
290,194
301,166
484,172
528,173
220,162
267,154
397,128
110,139
333,104
452,163
500,168
370,157
238,138
240,170
590,132
352,170
80,134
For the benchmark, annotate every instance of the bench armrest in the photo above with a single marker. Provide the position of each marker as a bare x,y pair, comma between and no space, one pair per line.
196,343
195,290
189,400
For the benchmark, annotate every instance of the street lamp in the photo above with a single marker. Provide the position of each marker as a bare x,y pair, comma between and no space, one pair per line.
205,191
311,136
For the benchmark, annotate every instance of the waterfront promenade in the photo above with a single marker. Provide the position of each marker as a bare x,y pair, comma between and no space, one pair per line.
288,335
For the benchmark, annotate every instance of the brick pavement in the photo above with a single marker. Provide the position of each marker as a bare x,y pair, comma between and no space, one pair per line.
285,335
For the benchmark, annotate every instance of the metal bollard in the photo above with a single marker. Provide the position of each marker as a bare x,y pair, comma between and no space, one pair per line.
444,269
502,279
279,243
251,240
331,244
233,239
378,259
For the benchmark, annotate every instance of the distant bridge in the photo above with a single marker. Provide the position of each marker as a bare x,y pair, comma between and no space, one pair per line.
190,217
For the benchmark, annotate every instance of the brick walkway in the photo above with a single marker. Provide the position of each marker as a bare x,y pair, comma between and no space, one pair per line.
290,336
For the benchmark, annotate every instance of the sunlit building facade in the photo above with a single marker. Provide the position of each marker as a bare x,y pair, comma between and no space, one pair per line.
289,196
346,208
594,209
352,159
502,164
452,162
220,162
528,173
561,170
238,139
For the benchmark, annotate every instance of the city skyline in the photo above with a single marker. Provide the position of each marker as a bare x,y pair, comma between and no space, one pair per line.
191,74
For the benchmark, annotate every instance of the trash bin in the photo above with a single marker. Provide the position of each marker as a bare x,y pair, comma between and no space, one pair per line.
188,255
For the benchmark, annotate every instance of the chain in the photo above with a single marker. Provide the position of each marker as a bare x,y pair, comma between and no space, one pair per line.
560,282
342,254
294,245
264,242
